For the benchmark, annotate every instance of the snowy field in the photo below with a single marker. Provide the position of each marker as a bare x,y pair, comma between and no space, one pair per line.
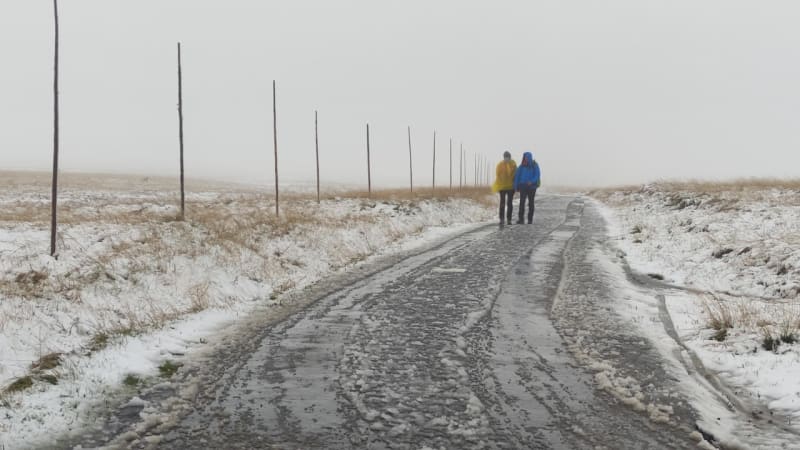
736,249
133,288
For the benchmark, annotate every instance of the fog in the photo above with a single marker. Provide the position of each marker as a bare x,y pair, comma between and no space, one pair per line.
603,93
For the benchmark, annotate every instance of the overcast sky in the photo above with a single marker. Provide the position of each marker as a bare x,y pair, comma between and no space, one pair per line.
603,92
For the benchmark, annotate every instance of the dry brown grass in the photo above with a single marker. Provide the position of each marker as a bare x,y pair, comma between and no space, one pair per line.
29,284
720,315
246,225
199,296
47,362
726,196
121,199
34,181
129,319
780,319
230,226
478,194
709,187
742,184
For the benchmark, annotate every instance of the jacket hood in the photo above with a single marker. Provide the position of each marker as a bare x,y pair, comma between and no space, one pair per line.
527,159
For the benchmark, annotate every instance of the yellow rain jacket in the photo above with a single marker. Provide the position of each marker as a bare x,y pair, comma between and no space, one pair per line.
505,176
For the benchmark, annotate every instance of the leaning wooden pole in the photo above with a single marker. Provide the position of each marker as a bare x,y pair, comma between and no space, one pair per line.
410,164
54,187
275,144
180,130
434,159
369,167
316,147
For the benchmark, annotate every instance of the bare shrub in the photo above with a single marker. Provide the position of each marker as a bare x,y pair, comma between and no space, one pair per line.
31,277
28,285
20,384
199,296
719,315
47,362
789,325
770,341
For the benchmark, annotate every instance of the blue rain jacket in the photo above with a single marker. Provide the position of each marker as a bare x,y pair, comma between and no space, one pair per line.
528,175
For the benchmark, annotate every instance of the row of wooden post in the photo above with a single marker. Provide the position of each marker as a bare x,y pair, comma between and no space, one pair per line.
481,168
480,172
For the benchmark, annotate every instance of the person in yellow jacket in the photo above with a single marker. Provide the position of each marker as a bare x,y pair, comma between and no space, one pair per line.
504,184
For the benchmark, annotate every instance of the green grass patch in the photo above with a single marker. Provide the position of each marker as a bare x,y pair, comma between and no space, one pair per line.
51,379
131,380
720,335
129,332
168,369
20,384
98,342
771,343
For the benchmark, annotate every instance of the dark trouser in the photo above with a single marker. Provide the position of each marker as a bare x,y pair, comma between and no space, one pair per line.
529,195
506,198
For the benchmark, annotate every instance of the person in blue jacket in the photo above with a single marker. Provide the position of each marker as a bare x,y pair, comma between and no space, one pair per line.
526,180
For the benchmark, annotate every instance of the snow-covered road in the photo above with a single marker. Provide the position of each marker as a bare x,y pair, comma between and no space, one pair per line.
519,337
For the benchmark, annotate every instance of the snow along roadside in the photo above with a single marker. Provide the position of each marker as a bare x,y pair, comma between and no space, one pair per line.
123,298
736,250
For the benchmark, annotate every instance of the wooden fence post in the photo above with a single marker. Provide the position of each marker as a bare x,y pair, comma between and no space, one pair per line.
316,147
480,170
485,170
275,143
410,165
434,159
180,131
54,187
369,167
461,167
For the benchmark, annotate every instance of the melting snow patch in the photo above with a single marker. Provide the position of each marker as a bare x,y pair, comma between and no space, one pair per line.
448,270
